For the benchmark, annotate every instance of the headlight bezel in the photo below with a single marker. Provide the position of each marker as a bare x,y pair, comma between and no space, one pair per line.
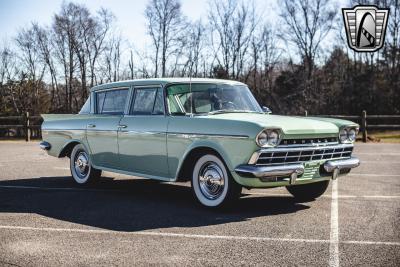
268,132
349,137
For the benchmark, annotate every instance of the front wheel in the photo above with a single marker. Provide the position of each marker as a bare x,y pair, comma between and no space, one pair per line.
308,192
81,168
211,183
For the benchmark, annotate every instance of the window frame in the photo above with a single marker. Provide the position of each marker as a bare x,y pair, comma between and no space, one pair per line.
133,97
107,90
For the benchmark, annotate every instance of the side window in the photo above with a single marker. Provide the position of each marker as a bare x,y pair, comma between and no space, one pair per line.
159,103
113,101
100,101
148,101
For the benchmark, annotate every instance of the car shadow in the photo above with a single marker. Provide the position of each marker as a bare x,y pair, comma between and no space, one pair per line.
130,205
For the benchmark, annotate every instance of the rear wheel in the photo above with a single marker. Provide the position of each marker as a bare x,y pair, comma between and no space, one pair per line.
81,168
211,183
308,192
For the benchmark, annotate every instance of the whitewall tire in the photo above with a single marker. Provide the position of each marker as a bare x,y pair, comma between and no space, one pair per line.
212,185
81,168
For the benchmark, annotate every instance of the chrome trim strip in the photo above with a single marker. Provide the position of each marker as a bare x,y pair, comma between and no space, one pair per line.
309,145
101,130
256,155
57,130
205,135
286,149
142,133
112,89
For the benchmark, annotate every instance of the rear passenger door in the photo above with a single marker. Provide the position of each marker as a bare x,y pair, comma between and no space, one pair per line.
102,129
142,141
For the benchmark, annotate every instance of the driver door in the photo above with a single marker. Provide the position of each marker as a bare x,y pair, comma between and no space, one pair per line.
142,138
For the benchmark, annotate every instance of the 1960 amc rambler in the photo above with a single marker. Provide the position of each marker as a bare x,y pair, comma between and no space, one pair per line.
211,132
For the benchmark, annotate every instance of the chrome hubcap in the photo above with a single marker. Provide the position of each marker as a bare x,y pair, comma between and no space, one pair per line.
81,165
211,180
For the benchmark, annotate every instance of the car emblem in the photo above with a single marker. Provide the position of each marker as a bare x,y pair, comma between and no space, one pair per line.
365,27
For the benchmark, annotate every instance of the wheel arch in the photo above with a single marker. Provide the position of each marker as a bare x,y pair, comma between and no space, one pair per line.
68,147
193,153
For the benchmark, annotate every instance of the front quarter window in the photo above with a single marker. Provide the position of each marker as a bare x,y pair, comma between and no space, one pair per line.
86,107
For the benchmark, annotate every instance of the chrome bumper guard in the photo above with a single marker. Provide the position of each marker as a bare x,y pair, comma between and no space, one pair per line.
45,145
294,170
335,166
252,171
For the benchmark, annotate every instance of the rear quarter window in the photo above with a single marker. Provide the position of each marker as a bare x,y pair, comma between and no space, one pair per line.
112,101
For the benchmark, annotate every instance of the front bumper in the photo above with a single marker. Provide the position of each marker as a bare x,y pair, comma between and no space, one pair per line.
271,174
334,166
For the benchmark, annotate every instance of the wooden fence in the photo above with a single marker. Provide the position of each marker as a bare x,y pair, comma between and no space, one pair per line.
379,122
21,126
29,126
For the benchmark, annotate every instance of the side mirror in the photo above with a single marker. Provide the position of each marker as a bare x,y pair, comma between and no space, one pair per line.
266,109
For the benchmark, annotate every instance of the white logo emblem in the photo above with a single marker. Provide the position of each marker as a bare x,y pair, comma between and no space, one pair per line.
365,27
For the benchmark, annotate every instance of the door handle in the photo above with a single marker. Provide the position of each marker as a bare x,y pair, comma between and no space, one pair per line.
91,125
122,126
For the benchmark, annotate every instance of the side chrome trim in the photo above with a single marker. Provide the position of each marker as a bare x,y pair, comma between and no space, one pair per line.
206,135
142,133
60,130
101,130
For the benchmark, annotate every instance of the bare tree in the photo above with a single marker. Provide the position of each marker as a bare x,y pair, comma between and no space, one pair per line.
234,25
307,23
65,34
43,40
112,59
30,57
165,24
196,43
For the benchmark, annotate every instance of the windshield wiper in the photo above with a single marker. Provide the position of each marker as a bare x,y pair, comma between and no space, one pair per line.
221,111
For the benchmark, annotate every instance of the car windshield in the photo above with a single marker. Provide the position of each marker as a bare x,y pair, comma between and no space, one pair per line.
184,99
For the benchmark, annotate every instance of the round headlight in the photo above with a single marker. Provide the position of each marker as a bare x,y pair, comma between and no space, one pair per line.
351,135
268,138
273,138
343,135
262,139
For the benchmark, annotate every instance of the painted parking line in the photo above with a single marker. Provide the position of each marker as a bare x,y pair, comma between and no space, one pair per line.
377,154
334,233
325,196
380,162
124,191
61,168
58,188
192,236
374,174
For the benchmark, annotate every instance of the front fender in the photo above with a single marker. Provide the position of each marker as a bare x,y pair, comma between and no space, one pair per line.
234,152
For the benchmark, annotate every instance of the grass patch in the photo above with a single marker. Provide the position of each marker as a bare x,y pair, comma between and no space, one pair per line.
389,136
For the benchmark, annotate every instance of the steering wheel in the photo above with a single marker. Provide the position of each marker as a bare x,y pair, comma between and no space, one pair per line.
228,105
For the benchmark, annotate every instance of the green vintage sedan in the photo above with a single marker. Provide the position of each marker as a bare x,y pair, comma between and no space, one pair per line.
211,132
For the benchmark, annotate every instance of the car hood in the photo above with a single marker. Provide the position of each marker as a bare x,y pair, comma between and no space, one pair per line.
288,124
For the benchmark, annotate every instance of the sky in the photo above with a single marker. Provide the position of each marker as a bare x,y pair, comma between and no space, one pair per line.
15,14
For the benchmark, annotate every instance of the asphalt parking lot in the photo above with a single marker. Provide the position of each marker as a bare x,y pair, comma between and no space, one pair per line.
45,219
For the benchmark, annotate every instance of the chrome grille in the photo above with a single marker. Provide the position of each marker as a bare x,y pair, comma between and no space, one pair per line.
304,154
309,141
